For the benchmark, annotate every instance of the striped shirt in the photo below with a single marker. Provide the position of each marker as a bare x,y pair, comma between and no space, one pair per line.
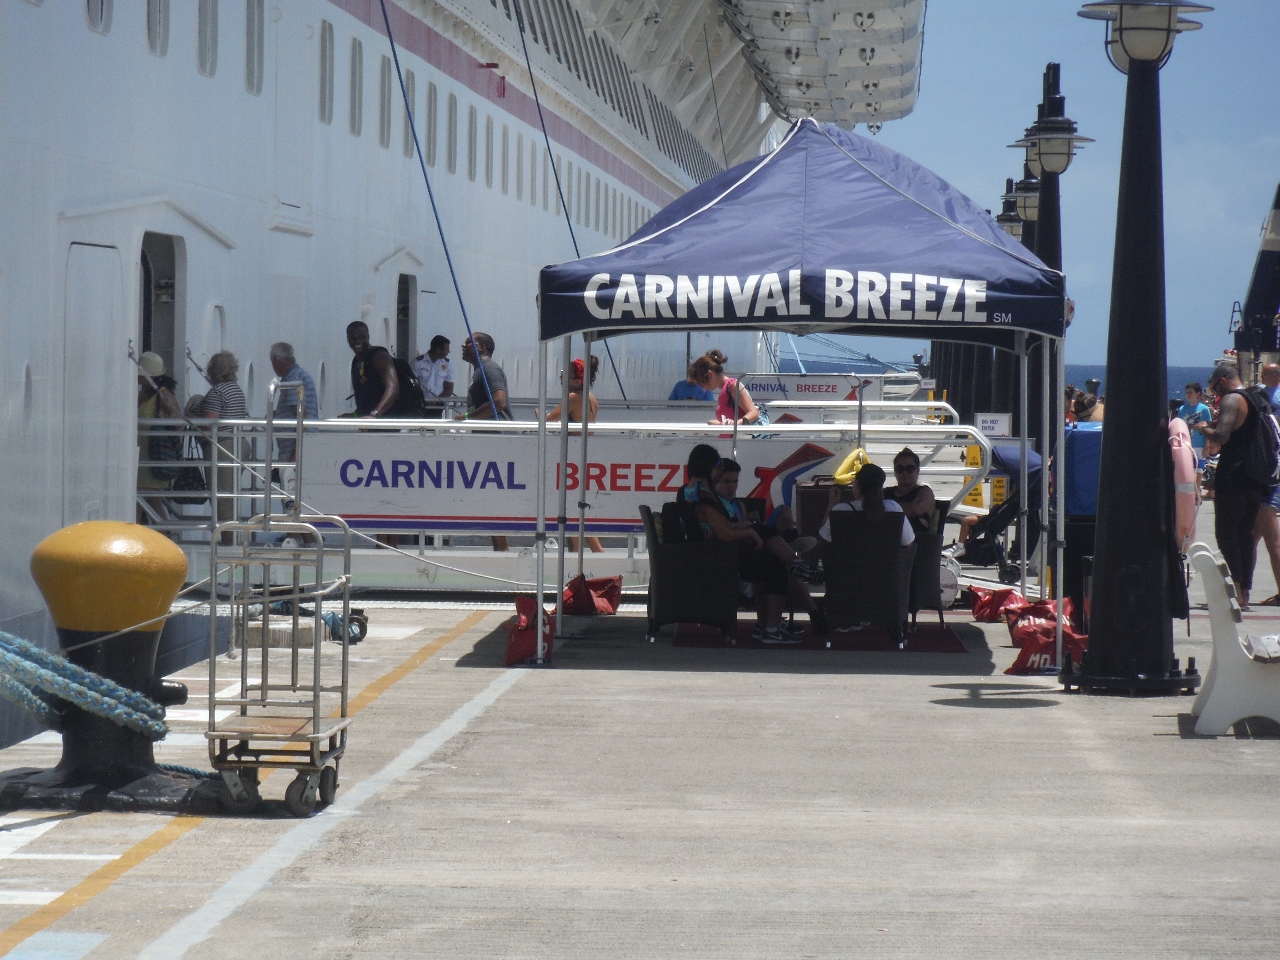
226,399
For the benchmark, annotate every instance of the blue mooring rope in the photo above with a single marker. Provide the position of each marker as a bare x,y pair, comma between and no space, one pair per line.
32,675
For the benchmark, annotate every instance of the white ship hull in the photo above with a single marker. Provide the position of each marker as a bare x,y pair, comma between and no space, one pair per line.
157,200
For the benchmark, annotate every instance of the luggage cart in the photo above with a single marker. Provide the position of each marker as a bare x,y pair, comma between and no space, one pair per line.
284,712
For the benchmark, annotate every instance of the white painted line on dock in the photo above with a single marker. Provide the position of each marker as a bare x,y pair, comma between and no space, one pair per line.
236,892
17,832
56,946
64,856
196,715
28,898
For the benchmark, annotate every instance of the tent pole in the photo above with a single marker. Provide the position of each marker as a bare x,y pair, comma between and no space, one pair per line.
582,470
562,516
1046,357
1022,466
737,415
1059,495
541,526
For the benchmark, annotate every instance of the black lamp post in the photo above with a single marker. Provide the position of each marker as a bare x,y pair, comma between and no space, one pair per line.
1134,560
1050,144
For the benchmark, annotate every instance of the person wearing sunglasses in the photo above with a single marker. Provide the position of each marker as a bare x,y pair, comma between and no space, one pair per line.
915,498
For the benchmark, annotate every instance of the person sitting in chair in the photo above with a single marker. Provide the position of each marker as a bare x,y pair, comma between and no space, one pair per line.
756,565
865,493
915,499
725,483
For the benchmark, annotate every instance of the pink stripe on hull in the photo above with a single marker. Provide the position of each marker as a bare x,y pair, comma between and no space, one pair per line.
447,57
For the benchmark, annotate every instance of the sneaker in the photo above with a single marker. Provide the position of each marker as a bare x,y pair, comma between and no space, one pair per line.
803,571
767,635
804,544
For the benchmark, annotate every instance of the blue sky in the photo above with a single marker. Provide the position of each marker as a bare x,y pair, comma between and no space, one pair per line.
1220,97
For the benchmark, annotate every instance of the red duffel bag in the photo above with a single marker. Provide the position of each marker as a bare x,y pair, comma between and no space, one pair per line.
522,635
1033,631
991,606
601,595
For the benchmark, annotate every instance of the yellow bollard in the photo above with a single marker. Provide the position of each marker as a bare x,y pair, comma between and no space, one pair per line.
98,578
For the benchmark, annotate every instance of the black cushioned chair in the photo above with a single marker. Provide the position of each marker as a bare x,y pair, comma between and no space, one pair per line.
926,589
868,572
691,582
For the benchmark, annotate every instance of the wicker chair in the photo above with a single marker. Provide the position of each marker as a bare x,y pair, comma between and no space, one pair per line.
868,572
690,582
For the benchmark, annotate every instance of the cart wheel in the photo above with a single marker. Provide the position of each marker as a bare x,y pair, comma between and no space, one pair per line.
300,797
328,785
238,792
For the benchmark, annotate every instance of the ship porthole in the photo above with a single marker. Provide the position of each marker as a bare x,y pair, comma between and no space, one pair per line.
28,400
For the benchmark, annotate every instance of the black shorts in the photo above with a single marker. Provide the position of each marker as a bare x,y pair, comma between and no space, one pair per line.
762,569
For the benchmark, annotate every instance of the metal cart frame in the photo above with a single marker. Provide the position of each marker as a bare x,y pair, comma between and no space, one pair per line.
297,718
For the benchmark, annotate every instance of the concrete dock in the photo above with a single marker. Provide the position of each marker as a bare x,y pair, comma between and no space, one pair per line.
652,800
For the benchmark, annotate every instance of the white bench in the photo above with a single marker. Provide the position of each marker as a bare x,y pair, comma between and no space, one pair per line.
1244,677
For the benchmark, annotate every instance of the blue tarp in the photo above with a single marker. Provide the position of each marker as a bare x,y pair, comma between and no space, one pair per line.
831,232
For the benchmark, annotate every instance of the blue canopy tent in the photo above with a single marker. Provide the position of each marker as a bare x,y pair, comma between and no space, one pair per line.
829,232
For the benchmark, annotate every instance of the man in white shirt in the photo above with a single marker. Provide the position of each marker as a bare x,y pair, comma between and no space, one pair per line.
435,372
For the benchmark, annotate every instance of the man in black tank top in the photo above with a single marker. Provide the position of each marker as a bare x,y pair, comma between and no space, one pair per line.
1236,498
373,375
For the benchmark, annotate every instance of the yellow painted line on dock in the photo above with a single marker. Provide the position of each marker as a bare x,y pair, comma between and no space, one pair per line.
102,878
380,686
95,883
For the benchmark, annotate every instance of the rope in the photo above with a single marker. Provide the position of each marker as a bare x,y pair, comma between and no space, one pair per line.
542,121
711,74
422,164
35,670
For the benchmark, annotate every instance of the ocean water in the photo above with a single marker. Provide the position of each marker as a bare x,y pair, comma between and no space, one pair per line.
1178,377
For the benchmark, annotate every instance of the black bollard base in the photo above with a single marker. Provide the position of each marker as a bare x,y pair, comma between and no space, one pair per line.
1171,684
125,790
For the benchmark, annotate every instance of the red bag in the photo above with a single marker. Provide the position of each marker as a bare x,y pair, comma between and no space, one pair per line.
1033,630
991,606
522,635
583,597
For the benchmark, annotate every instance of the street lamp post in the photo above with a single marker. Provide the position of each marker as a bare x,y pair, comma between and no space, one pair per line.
1135,570
1050,144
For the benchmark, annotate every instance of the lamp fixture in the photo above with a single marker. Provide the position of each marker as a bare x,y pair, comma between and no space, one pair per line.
1008,217
1051,141
1142,29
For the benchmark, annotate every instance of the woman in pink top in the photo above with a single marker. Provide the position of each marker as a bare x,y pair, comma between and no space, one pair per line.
734,402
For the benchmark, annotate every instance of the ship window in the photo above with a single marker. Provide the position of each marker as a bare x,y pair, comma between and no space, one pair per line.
506,8
533,173
565,35
584,50
519,165
253,26
355,119
488,151
207,37
546,180
597,205
566,188
506,151
527,18
158,27
451,141
429,137
548,32
326,71
384,102
535,15
473,130
410,96
99,13
323,392
578,198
